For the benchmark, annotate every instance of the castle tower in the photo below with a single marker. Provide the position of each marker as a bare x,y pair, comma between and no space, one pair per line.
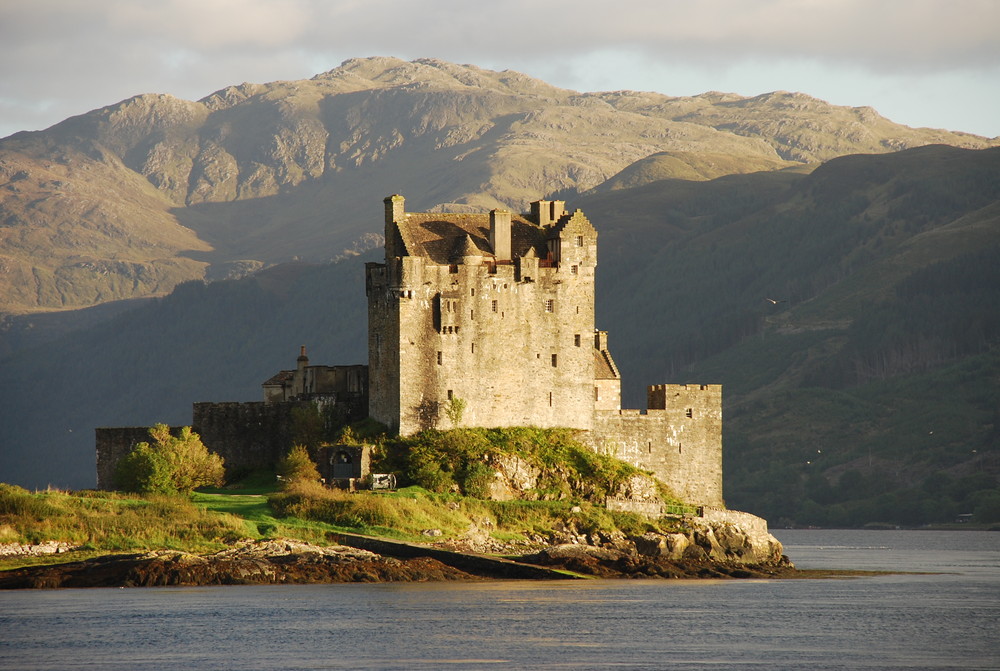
495,309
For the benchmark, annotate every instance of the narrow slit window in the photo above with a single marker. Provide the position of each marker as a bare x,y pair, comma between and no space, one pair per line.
576,340
440,358
550,399
554,360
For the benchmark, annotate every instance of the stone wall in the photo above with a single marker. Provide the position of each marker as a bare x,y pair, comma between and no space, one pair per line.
680,441
113,443
246,435
514,340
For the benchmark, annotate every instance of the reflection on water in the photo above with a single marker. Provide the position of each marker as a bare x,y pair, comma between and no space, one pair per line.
946,620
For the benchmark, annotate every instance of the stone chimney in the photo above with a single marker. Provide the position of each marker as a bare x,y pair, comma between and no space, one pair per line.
395,208
548,212
500,234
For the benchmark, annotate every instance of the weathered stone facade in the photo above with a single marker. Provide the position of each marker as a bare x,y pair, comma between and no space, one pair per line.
494,309
480,320
497,310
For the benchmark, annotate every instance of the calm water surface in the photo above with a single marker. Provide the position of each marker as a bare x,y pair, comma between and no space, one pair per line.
946,620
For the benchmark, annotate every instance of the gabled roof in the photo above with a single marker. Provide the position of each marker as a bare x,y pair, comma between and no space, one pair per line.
604,369
438,236
279,378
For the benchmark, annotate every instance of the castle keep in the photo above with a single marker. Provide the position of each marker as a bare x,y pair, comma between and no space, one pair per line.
497,309
485,320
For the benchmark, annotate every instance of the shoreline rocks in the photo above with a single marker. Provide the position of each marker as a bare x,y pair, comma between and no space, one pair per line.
247,563
699,548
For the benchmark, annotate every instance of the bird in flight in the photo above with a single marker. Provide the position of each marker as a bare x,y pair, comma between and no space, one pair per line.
774,302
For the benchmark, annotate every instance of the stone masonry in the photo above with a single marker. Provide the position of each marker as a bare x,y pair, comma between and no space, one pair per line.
497,310
494,312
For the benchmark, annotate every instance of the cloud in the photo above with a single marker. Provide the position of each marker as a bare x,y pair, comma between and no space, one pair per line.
63,57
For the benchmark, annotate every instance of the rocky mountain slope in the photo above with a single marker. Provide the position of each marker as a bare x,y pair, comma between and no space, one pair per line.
128,200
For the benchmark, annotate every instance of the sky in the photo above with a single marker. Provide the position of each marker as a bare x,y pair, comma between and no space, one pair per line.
933,63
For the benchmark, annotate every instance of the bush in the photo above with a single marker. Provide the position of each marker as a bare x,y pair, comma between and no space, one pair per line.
170,464
297,465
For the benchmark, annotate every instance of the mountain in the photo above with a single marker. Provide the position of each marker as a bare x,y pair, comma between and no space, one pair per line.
127,201
869,393
871,390
866,392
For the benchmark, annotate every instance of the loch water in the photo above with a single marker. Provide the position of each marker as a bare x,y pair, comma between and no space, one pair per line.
943,613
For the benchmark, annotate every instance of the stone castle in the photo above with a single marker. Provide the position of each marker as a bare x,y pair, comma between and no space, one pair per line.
492,314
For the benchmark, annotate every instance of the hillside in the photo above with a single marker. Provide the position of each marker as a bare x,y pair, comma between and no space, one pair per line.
127,201
869,393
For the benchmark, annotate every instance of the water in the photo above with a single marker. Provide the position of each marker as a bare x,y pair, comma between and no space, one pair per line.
946,620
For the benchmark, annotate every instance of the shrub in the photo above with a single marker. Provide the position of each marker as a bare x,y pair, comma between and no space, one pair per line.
297,465
170,464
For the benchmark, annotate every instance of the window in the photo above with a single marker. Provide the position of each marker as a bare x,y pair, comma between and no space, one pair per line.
451,394
576,340
550,305
597,393
472,314
579,241
689,413
554,360
574,269
550,399
440,358
473,291
473,348
494,306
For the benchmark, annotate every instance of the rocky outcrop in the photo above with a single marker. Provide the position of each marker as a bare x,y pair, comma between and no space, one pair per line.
247,563
35,549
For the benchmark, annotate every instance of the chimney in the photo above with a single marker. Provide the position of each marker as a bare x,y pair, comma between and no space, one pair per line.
395,208
303,360
541,213
395,211
500,234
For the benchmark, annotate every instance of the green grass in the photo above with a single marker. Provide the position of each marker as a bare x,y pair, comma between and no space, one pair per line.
109,522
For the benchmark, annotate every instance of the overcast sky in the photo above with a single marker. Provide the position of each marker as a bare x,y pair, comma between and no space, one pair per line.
919,62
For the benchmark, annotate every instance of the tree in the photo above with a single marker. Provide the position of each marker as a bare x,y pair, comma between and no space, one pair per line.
169,464
298,465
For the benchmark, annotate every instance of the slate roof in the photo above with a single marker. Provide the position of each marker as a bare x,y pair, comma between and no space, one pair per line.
437,236
279,378
603,368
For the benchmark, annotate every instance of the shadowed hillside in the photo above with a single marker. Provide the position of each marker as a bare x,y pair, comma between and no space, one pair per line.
867,393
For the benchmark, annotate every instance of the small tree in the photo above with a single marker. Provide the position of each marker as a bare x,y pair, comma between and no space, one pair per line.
298,465
170,464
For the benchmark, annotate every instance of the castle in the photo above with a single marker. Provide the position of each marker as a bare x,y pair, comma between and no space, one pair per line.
492,314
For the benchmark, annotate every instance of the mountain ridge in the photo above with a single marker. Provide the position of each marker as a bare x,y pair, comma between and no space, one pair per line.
256,174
